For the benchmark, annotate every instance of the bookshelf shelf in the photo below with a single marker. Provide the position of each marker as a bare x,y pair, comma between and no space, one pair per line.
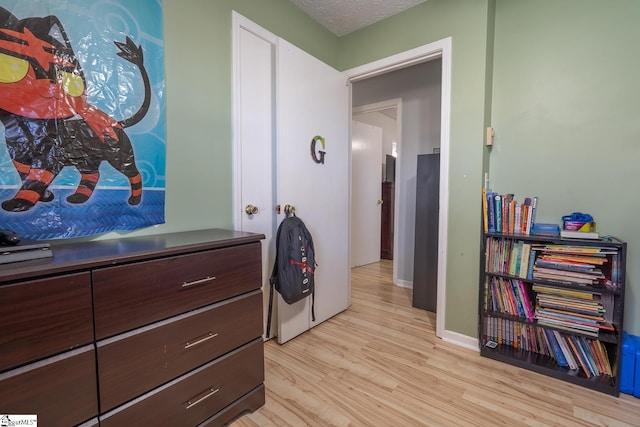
554,306
567,284
548,366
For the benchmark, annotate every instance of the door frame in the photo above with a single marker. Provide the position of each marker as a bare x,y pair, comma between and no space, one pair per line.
239,22
438,49
377,106
336,296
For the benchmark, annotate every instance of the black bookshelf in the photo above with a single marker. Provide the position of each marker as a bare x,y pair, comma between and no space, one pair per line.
518,350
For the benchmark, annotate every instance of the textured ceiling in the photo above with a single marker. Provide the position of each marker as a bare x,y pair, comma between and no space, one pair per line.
342,17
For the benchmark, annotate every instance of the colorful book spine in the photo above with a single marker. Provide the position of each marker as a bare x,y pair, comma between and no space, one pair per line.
555,348
491,212
532,261
524,260
485,214
517,226
512,215
534,206
497,208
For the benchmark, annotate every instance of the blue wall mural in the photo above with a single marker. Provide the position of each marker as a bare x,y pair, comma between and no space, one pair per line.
82,112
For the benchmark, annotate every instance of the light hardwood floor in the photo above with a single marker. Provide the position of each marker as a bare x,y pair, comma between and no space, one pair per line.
379,363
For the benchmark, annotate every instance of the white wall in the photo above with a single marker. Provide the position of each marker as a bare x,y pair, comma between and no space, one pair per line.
387,124
419,87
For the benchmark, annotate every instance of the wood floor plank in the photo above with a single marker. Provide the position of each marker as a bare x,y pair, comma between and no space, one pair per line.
380,364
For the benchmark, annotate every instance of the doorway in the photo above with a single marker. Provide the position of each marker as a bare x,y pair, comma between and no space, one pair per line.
418,94
270,46
387,115
441,51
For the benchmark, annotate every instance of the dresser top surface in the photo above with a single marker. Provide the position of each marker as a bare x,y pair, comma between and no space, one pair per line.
75,256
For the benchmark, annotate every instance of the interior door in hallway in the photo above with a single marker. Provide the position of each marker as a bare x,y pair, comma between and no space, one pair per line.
366,197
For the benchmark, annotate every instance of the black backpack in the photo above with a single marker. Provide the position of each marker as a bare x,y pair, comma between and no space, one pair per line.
294,267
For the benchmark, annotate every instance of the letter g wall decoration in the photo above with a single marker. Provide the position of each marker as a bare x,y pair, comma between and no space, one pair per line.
318,155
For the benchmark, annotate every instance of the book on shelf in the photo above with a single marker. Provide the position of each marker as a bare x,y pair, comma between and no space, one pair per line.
590,358
590,276
526,220
578,250
502,213
507,256
558,354
580,357
532,261
514,260
568,355
497,206
512,213
560,263
574,234
491,212
574,310
534,207
577,293
485,214
524,261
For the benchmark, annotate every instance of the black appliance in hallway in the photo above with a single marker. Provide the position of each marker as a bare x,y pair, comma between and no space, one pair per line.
425,265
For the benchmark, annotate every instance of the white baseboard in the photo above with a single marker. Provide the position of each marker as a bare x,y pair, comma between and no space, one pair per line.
461,340
404,284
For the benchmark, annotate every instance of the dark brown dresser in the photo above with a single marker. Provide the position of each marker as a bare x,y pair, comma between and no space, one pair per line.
141,331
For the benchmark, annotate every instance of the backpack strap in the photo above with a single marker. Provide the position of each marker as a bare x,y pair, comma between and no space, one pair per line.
313,301
269,313
272,283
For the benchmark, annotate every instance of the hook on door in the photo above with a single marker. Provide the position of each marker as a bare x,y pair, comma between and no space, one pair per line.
289,210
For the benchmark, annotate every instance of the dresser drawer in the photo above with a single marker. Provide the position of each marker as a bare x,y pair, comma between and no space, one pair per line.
135,362
197,395
44,317
130,296
250,402
61,390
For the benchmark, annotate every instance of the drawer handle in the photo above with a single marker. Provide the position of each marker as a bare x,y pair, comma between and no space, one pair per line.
199,282
210,393
200,341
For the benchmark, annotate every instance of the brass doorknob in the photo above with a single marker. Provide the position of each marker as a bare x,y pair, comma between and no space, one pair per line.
380,202
251,210
288,209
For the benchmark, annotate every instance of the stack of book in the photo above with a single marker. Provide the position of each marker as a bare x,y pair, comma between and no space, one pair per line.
575,353
503,214
570,264
515,258
515,334
578,311
509,296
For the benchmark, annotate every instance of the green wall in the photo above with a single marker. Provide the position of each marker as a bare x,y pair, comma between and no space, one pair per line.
468,23
197,39
566,112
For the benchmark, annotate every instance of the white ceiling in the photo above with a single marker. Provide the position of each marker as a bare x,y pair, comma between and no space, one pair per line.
342,17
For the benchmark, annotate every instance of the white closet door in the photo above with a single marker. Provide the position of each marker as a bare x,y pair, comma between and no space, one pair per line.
312,99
